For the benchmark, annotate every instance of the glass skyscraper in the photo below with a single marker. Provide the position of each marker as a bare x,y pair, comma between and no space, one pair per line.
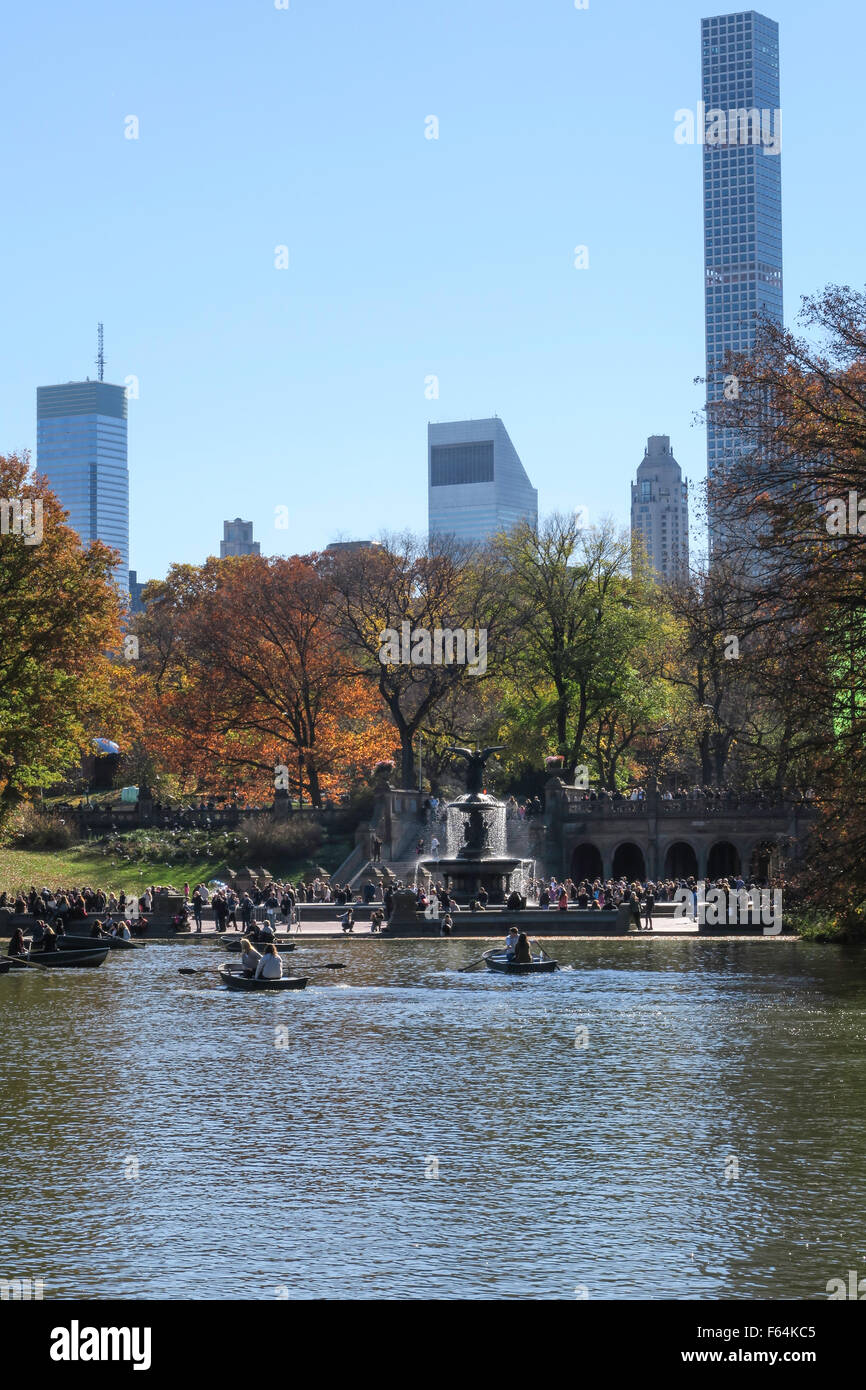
81,448
742,205
477,485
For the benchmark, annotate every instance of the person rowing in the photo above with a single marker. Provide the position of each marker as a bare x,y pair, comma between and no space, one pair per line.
16,943
511,941
270,966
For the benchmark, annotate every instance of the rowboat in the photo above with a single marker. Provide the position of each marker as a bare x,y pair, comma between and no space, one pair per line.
91,943
498,961
56,959
237,980
235,944
5,966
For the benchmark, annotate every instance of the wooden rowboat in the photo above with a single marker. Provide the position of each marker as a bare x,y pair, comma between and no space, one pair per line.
237,980
498,961
54,960
96,943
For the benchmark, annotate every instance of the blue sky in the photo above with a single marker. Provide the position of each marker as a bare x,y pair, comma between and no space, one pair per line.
408,257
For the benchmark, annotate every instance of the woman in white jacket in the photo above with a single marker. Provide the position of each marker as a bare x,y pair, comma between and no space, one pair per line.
270,967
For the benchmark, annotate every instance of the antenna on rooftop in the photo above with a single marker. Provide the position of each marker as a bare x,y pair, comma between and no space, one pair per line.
100,359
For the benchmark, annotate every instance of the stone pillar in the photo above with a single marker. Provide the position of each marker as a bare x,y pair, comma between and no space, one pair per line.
652,829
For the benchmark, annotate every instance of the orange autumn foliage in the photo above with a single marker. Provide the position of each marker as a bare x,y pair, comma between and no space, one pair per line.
245,675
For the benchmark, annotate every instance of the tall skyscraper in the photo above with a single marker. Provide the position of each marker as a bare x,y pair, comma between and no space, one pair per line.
476,484
81,448
742,207
238,539
660,509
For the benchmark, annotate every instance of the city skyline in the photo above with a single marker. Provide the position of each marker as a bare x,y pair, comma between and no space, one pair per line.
262,388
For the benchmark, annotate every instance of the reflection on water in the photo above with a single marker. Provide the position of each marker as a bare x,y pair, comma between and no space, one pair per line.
705,1142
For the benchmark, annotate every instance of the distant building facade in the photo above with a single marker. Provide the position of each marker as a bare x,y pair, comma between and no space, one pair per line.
660,509
742,184
81,447
238,539
476,483
135,602
351,546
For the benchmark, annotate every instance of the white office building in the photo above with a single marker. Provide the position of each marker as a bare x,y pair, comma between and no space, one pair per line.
476,484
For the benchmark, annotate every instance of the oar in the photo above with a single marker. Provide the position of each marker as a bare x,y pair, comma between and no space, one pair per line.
535,941
188,970
31,964
471,966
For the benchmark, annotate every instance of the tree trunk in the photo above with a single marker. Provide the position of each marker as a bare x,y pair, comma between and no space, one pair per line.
407,769
315,789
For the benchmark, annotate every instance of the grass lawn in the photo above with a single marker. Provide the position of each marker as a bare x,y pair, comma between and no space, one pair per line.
75,867
79,865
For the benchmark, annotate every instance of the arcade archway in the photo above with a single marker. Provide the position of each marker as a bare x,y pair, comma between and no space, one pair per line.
628,861
681,861
586,862
724,860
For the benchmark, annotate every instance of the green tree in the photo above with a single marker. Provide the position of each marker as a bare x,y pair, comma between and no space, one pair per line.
586,626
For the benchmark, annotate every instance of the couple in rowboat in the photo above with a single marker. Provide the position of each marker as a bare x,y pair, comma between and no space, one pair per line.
517,947
267,966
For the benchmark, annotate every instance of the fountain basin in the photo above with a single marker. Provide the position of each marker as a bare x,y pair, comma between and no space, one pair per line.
464,877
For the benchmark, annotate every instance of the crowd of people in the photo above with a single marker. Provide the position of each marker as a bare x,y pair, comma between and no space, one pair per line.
56,912
258,912
724,797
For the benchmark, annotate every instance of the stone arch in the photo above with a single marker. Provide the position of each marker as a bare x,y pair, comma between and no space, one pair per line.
681,860
628,861
723,860
586,862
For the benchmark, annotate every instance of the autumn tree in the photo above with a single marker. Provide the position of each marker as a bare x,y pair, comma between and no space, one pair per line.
60,620
798,485
248,678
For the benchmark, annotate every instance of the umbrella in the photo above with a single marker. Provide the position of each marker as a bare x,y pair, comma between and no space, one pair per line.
105,745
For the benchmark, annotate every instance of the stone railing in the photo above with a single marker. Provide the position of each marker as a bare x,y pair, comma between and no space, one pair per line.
98,819
687,807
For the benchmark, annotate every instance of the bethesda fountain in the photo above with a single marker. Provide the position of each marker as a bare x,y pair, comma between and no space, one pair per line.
476,826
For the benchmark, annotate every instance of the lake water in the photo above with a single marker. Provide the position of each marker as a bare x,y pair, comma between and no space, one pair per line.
423,1133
